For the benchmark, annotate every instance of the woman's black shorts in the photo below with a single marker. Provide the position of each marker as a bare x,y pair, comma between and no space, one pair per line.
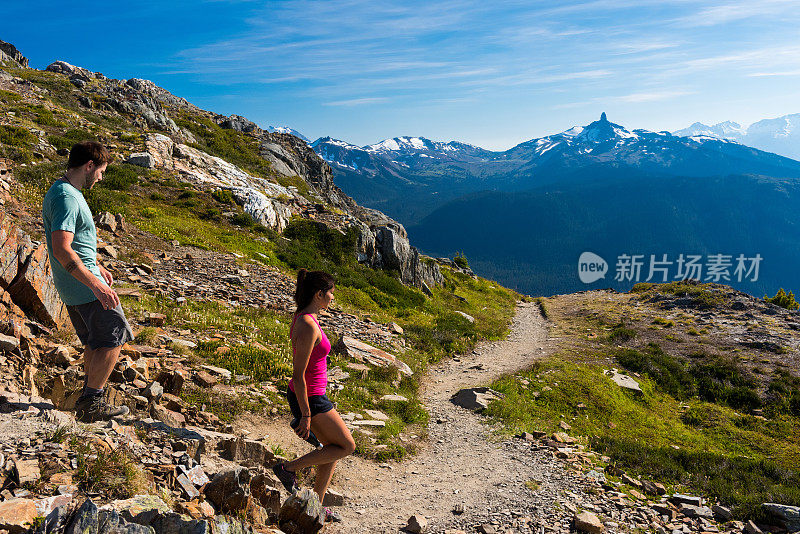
317,403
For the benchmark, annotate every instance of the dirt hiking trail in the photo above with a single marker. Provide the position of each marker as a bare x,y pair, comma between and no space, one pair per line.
463,465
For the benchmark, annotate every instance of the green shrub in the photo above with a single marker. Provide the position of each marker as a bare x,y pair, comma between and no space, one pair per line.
17,137
9,97
621,333
129,137
724,382
666,323
244,220
703,296
461,260
101,199
37,179
235,147
223,196
211,214
668,372
71,137
784,394
783,300
45,117
150,212
120,177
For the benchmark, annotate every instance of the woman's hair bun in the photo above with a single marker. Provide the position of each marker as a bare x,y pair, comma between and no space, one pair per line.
301,274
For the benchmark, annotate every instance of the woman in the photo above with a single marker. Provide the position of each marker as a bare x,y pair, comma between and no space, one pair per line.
306,391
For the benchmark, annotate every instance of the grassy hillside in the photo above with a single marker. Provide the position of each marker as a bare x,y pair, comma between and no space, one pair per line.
715,416
49,114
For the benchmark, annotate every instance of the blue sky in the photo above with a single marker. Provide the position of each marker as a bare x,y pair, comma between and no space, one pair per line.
488,73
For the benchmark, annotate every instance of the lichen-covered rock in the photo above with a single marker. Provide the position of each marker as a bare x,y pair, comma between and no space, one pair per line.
62,67
85,520
142,159
302,513
229,490
17,515
139,508
33,290
361,351
266,211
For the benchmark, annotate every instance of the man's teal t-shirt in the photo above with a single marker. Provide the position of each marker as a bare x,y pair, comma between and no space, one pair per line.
64,208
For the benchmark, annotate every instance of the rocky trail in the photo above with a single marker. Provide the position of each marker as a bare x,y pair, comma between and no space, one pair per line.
464,466
465,477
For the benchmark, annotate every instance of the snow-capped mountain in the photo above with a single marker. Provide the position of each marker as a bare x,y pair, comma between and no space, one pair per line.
414,146
780,136
409,176
286,129
343,154
724,130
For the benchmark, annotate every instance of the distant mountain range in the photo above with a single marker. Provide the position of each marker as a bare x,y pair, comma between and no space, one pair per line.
286,129
524,215
781,135
388,174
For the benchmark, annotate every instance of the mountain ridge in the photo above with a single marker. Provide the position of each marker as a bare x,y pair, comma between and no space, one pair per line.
780,135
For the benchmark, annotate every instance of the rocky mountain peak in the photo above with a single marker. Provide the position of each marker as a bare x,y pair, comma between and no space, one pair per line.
603,130
9,52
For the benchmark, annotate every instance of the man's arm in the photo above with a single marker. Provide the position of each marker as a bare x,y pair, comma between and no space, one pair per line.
68,258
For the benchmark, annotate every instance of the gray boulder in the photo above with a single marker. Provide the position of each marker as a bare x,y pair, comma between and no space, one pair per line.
62,67
476,399
789,516
302,513
238,123
85,520
142,159
229,490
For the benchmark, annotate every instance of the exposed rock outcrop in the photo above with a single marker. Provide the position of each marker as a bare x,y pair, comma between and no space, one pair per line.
26,282
9,52
382,242
143,100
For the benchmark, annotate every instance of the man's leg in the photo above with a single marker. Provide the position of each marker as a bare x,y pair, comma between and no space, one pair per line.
98,364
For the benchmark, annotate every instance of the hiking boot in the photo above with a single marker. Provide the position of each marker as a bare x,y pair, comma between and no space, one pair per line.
287,478
95,408
331,516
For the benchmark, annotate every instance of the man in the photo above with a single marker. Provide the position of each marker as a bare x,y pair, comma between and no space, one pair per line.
85,286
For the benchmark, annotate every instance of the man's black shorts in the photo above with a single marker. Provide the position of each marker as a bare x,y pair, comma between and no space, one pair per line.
99,328
317,403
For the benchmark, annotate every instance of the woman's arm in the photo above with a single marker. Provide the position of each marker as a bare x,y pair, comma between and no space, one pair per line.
305,336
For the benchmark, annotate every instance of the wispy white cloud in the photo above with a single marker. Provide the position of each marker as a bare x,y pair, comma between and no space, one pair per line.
638,98
736,11
508,55
770,74
357,101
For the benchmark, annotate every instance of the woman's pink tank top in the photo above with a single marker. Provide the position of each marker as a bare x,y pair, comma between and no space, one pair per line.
317,369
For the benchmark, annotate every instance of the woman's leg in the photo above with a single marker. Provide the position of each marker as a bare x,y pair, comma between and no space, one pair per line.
335,437
323,478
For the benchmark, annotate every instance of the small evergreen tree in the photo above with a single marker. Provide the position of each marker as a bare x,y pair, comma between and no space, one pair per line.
783,300
461,260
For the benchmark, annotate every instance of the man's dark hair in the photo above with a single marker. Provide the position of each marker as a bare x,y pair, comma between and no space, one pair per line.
86,151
